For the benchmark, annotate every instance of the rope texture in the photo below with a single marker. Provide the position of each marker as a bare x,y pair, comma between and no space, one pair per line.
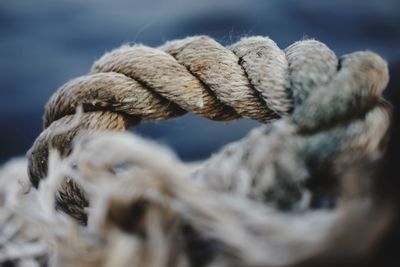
251,79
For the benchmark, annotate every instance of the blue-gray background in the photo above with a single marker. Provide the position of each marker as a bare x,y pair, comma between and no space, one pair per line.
44,43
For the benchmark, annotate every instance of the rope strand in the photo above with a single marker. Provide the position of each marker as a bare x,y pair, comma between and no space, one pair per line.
251,79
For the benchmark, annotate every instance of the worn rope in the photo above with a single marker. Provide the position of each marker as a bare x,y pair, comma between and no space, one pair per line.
252,79
291,193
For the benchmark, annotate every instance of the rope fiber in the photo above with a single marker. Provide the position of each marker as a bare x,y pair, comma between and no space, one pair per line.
322,98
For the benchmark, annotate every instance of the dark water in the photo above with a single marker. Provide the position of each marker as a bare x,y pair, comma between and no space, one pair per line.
44,43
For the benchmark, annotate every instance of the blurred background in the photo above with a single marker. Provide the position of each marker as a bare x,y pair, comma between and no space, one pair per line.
44,43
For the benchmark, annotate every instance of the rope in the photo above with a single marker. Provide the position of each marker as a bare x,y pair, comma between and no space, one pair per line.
251,79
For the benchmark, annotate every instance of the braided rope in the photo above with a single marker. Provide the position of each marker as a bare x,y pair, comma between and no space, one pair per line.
251,79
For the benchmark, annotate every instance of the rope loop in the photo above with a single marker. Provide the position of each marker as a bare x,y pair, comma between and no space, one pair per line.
251,79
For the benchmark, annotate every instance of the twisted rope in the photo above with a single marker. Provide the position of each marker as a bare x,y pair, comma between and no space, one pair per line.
251,79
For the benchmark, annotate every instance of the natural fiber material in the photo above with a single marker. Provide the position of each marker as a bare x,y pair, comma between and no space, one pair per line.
146,211
21,237
253,79
283,196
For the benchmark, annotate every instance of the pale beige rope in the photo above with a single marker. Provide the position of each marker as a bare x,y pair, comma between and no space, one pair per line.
251,201
21,239
195,74
252,79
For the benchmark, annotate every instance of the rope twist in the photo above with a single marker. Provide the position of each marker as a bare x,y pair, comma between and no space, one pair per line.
252,79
